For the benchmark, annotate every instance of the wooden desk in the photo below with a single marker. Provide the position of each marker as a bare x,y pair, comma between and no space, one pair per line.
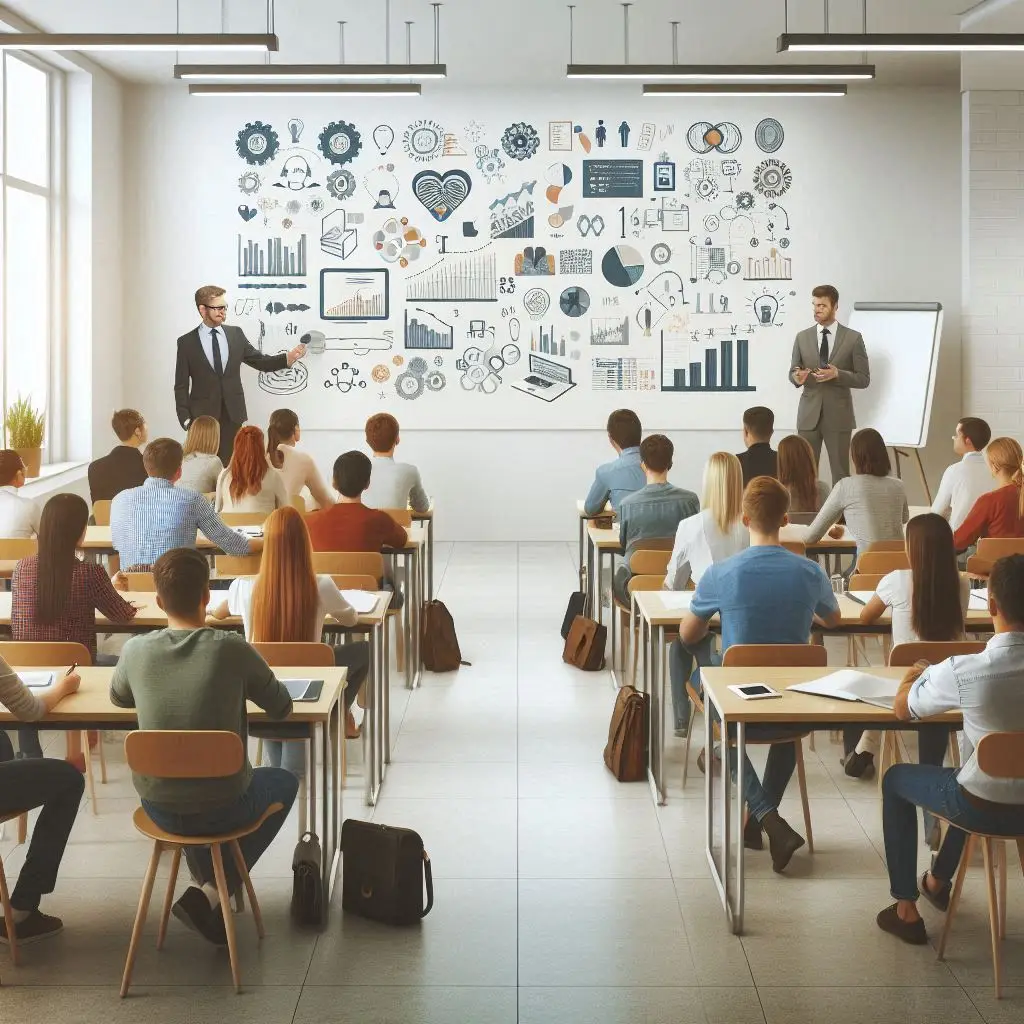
805,710
91,708
584,519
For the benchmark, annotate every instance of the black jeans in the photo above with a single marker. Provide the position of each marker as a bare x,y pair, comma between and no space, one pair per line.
57,787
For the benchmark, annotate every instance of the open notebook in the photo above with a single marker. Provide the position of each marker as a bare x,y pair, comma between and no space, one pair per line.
849,684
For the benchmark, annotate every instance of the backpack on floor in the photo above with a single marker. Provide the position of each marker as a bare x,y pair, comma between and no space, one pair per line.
585,644
307,882
577,604
441,652
625,754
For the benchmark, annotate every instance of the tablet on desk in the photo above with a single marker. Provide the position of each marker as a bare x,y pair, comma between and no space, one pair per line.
303,691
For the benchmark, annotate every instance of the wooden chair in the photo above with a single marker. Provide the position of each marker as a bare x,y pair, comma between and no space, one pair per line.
12,551
990,550
5,900
651,560
244,518
864,583
402,516
299,502
798,547
141,582
1001,755
762,656
886,545
232,566
26,654
101,512
882,562
189,755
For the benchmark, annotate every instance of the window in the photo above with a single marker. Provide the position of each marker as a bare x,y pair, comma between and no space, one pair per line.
29,217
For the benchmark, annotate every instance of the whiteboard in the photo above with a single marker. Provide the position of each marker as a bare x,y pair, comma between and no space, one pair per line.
902,341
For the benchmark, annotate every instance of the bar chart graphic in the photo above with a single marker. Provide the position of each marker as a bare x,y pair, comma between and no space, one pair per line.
543,340
423,330
353,294
769,268
719,362
471,277
275,259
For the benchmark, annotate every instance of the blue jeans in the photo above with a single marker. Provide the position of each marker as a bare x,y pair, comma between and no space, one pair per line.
908,786
267,786
681,659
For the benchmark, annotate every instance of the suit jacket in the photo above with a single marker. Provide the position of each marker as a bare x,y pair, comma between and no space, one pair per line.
829,405
111,474
198,391
760,459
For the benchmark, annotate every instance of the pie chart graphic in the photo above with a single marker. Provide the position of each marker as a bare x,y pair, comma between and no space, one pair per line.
622,266
574,301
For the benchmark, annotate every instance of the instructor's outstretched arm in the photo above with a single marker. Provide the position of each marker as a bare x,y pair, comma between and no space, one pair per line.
258,360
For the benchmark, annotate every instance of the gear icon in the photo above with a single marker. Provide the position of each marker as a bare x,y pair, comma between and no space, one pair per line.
660,253
250,182
783,243
436,380
380,373
520,140
418,365
340,142
772,178
706,189
438,361
341,183
409,385
744,200
489,163
257,143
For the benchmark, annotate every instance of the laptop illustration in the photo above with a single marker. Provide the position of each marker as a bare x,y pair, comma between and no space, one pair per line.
547,379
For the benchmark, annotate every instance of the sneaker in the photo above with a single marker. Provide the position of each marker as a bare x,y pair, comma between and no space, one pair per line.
860,765
911,932
35,927
194,911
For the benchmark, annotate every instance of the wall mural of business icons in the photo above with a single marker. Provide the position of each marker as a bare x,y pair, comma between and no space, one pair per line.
423,140
257,143
340,142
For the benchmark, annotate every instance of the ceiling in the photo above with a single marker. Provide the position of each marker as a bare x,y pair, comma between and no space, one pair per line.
523,43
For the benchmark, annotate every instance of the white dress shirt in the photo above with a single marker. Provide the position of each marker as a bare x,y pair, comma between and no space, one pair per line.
19,517
962,485
206,340
699,544
832,330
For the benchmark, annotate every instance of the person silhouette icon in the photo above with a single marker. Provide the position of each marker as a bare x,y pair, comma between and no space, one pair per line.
601,134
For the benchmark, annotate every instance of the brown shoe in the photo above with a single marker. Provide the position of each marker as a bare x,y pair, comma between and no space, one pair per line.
753,836
912,932
783,840
352,731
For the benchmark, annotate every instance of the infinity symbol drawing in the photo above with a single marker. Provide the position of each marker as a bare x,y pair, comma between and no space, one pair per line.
586,225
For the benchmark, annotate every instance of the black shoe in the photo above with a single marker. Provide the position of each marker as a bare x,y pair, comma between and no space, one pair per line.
940,899
783,840
912,932
701,762
860,765
35,927
753,837
194,911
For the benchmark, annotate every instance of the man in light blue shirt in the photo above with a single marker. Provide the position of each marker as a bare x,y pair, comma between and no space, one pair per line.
986,688
624,475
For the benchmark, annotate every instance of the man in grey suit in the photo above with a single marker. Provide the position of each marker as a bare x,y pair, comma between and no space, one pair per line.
828,360
207,377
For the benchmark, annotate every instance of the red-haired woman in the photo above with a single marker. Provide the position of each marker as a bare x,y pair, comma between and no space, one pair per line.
250,484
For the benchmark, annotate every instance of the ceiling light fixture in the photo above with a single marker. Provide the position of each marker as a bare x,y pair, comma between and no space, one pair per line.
723,72
754,89
375,89
95,41
304,72
876,42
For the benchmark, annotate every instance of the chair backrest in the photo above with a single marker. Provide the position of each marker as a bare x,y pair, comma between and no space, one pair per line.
144,582
905,655
299,502
402,516
296,654
644,583
802,518
31,654
344,563
230,566
991,549
650,560
882,562
183,754
886,545
1001,755
798,547
354,581
244,518
101,512
863,582
785,655
13,548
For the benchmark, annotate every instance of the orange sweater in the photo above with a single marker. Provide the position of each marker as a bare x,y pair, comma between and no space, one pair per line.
996,514
351,526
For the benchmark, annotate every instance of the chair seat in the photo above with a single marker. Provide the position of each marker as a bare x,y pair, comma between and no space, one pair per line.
12,815
142,821
980,835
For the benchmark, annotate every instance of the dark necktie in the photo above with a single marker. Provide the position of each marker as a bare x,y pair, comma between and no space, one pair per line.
218,366
823,351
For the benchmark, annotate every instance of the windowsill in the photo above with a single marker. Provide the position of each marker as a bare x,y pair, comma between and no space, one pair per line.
53,476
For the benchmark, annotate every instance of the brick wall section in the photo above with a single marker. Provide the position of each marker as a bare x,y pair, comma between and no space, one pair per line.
993,302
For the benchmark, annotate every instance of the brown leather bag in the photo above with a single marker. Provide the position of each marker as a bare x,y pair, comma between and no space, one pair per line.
625,754
585,644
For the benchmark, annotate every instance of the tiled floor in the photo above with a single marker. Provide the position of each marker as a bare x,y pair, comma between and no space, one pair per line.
561,895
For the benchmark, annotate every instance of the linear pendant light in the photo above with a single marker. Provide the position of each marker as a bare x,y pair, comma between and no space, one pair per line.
738,89
377,89
723,72
304,72
95,41
952,42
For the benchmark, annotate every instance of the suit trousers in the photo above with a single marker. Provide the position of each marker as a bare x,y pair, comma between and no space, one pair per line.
228,429
837,444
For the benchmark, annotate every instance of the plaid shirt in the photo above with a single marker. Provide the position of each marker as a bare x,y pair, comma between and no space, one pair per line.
90,589
146,521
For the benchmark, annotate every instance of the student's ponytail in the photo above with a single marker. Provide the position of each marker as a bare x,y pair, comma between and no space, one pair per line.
282,427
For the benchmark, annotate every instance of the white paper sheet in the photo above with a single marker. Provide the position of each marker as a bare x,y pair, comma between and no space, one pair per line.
849,684
36,680
677,599
363,602
979,600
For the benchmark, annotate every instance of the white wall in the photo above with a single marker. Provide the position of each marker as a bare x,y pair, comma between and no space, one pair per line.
887,190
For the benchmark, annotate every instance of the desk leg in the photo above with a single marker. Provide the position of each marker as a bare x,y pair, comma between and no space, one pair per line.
380,676
591,573
415,620
330,730
583,530
720,878
655,664
741,757
430,562
371,725
311,779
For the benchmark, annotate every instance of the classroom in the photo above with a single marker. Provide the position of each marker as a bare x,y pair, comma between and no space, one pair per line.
512,513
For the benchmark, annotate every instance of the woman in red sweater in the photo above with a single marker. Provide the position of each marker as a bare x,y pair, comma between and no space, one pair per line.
1000,513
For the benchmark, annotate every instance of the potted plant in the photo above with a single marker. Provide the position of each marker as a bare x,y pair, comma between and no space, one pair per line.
23,427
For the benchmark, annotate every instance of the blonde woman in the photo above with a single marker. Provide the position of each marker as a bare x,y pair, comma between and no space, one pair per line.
297,467
1000,513
201,465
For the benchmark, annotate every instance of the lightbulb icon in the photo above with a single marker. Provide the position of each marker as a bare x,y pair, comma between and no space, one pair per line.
295,127
383,137
766,308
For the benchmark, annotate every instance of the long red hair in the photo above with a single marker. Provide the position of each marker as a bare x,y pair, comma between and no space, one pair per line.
248,463
285,600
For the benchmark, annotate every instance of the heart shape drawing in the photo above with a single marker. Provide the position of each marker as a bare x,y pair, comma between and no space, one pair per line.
246,212
442,194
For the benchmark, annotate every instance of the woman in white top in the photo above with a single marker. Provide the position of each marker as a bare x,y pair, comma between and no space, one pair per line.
297,468
19,517
713,535
249,484
287,603
201,465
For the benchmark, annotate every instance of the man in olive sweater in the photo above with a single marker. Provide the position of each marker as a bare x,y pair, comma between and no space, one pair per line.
190,676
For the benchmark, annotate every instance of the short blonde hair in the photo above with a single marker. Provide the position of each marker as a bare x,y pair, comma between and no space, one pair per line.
203,436
723,489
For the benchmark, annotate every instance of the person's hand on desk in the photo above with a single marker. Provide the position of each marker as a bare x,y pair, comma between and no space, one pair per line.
217,611
825,373
800,376
119,581
66,685
836,532
901,706
296,354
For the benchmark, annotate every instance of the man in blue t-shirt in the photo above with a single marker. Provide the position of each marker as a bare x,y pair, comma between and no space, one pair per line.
764,595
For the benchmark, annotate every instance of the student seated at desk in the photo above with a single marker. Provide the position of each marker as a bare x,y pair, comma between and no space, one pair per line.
146,521
392,484
296,467
55,786
19,517
122,467
798,473
965,481
874,503
287,603
191,676
201,465
759,458
1000,512
655,511
623,475
929,603
986,689
250,483
764,595
55,597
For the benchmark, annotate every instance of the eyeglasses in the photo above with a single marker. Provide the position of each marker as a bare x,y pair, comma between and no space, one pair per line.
216,309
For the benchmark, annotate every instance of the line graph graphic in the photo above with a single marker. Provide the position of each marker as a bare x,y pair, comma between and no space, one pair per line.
426,331
468,277
353,294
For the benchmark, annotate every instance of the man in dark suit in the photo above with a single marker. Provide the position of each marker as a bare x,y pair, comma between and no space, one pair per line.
122,468
760,458
828,360
207,378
